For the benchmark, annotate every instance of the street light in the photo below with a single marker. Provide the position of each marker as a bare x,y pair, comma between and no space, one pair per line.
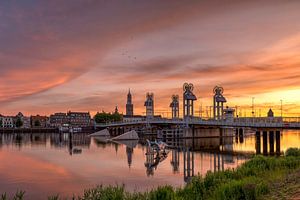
253,106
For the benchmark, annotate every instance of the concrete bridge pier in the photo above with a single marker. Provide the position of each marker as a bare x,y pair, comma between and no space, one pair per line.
215,162
241,135
271,142
277,135
265,142
269,139
258,142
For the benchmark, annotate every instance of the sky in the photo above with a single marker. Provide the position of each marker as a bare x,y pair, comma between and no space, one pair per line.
84,55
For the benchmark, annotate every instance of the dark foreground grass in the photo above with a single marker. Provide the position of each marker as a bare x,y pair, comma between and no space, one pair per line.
252,180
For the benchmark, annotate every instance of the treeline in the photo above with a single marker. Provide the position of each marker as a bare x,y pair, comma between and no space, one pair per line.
105,117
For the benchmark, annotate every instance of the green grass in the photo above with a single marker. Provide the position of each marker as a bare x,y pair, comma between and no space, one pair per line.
254,179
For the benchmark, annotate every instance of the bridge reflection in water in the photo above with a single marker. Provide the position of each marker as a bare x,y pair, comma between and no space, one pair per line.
221,150
186,155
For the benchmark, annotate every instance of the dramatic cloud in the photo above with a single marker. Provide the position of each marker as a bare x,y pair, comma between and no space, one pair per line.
84,55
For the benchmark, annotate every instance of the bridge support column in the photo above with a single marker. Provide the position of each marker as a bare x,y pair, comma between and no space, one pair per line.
222,156
265,142
219,162
221,136
271,142
257,144
241,135
215,162
277,135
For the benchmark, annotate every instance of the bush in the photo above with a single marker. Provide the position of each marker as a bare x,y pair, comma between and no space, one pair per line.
165,192
105,193
293,152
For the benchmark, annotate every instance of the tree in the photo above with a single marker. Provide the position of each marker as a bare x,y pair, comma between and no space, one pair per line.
116,117
19,122
107,117
37,123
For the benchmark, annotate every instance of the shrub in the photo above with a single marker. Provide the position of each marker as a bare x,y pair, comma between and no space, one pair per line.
293,152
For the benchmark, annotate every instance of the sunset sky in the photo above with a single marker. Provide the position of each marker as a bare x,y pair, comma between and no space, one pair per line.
84,55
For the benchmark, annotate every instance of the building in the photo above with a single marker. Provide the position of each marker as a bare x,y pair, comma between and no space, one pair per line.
149,104
39,121
59,120
270,113
79,119
116,110
129,105
1,116
7,122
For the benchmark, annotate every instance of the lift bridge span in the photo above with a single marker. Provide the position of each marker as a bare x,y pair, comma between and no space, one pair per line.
257,123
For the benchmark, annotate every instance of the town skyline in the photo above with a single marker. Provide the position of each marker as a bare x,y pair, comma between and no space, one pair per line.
52,59
204,111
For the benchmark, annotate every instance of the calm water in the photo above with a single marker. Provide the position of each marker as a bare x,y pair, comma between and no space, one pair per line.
47,164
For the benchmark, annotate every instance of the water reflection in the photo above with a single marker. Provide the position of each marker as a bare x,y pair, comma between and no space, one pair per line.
64,163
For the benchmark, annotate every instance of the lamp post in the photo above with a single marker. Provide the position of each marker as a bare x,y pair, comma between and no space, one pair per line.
253,115
253,106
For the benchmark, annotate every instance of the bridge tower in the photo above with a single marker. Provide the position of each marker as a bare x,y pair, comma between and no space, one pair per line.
175,106
188,100
218,103
149,104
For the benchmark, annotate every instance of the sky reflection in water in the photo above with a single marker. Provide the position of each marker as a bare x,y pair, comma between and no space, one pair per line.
47,164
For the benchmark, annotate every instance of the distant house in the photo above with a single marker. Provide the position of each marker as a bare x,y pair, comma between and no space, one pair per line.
7,122
39,121
79,119
73,119
59,120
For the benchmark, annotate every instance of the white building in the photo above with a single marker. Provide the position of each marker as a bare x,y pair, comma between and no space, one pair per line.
7,122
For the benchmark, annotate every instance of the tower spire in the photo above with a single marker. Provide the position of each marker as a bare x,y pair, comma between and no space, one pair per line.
129,105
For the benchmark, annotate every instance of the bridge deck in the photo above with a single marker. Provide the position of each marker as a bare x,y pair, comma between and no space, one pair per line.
295,123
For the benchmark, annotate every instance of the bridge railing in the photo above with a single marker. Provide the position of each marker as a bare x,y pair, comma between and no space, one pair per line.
251,122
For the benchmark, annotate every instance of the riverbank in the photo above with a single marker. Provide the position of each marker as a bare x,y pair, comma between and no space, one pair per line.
259,178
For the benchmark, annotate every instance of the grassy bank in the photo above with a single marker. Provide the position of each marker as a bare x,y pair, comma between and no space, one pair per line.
259,178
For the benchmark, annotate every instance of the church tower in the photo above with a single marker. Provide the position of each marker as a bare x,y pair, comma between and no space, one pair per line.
129,105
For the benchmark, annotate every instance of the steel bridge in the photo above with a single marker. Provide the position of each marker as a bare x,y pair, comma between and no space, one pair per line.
255,122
